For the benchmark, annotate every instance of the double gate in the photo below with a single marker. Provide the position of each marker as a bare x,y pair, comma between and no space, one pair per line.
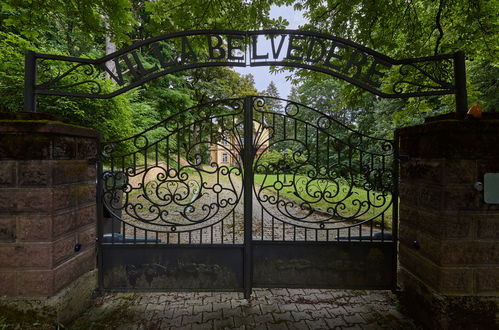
248,192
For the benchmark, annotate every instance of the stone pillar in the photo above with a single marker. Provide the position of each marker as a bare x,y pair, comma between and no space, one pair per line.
449,238
47,215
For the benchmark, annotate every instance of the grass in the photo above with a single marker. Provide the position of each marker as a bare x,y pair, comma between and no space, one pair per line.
301,188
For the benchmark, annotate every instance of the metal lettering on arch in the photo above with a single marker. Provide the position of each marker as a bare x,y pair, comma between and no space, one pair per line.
338,57
212,210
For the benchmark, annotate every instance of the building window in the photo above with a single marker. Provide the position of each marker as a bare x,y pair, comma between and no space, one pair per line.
224,158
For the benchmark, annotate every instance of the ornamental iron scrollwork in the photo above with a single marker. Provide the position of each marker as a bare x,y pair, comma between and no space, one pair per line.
161,182
126,69
182,181
332,181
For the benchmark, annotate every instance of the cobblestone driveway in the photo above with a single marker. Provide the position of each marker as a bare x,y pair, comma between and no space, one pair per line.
267,309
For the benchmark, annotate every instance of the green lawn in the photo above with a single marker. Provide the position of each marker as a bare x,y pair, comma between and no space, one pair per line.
313,192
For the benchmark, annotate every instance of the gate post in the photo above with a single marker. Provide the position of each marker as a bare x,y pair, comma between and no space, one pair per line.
47,216
248,194
449,237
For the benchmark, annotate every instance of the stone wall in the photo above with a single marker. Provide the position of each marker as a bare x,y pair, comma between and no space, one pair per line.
449,238
47,208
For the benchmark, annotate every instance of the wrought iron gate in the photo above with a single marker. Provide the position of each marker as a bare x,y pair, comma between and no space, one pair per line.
253,191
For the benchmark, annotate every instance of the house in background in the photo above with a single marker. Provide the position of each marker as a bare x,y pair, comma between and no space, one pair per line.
224,152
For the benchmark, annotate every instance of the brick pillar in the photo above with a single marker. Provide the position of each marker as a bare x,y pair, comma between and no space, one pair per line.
449,238
47,209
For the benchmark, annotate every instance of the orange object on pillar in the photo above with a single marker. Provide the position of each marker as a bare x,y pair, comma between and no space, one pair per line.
475,111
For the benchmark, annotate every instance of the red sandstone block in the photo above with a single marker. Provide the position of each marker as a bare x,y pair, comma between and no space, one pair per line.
456,280
25,200
87,148
421,170
74,268
90,174
64,147
487,280
64,197
7,228
63,249
86,193
461,198
487,226
25,146
468,253
36,283
419,266
86,237
86,215
8,284
63,223
8,176
26,255
34,173
458,171
67,171
35,228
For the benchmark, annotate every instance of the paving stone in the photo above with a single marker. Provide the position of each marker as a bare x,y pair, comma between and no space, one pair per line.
354,319
203,326
288,307
335,323
221,305
263,318
269,308
227,323
216,315
317,324
263,293
295,292
190,319
229,312
251,309
202,308
172,322
277,326
238,302
183,311
272,309
301,315
283,317
354,309
300,325
244,321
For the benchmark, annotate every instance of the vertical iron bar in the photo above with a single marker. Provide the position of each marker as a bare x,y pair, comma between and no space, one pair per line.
395,206
248,193
29,81
100,215
460,82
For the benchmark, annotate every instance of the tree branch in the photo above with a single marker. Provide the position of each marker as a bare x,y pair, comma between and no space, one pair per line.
439,26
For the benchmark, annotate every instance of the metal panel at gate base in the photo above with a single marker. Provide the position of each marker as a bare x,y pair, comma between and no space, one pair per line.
323,265
161,267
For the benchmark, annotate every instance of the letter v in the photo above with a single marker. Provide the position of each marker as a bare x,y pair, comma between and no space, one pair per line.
274,53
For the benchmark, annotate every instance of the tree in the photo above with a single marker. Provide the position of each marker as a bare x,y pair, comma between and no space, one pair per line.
272,92
404,29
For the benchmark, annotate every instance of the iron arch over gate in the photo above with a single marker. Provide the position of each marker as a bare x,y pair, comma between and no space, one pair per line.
196,202
188,218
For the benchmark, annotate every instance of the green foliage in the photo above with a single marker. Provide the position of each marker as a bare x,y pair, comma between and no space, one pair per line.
275,161
405,29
